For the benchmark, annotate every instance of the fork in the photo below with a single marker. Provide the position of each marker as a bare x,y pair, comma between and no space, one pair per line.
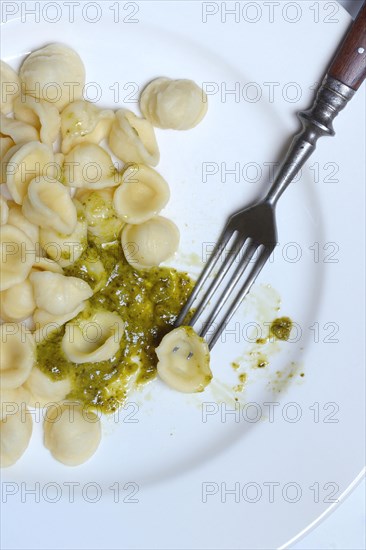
252,232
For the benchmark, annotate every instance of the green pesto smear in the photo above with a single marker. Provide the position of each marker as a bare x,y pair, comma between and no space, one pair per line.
148,301
281,328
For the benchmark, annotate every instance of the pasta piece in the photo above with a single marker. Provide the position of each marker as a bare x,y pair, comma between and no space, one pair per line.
17,355
6,143
55,74
45,264
9,89
83,121
43,116
184,360
4,211
149,244
66,249
90,166
18,131
57,293
43,391
10,400
17,303
103,223
22,163
46,323
17,255
176,104
142,194
93,339
71,434
49,205
17,219
15,433
132,139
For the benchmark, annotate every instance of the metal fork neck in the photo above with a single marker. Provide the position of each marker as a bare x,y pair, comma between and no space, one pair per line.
331,98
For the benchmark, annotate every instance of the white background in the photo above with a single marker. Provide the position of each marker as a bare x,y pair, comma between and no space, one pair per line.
344,529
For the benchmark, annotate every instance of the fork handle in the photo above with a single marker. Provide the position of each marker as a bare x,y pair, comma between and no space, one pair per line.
345,75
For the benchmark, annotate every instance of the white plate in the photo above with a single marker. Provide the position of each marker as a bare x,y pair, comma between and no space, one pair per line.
172,468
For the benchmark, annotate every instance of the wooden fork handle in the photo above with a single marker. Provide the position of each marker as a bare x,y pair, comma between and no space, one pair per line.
349,63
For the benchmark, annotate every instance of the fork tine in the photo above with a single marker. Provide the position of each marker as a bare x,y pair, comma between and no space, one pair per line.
256,269
222,242
248,254
229,260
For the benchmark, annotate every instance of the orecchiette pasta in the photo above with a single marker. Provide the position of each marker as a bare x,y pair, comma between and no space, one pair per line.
10,399
44,391
4,211
71,434
16,218
22,163
149,244
184,360
175,104
103,223
82,121
90,167
66,249
46,264
41,115
48,204
17,302
17,355
54,73
9,89
18,131
142,194
57,293
46,323
132,139
15,433
6,143
17,255
95,338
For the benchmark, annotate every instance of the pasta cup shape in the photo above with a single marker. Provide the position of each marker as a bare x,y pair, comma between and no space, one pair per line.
15,434
17,255
43,390
49,205
22,163
82,121
46,264
6,143
65,249
9,89
71,434
46,323
17,302
18,349
4,211
132,139
16,218
55,74
184,360
103,223
150,243
18,131
91,167
142,194
175,104
41,115
93,339
57,293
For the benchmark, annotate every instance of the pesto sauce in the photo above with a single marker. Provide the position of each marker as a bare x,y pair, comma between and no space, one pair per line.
281,328
148,301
